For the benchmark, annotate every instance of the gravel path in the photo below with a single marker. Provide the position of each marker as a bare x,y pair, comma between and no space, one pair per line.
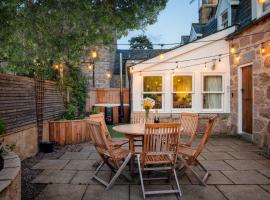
31,190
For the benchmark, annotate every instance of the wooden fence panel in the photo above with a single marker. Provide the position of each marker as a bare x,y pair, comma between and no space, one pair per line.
18,102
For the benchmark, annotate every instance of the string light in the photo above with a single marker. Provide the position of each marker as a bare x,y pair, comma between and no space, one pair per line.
131,70
161,55
232,50
262,1
205,67
109,75
263,48
56,66
177,68
237,58
90,66
93,54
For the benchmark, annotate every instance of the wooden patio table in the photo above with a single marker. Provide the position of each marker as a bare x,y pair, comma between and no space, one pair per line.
131,131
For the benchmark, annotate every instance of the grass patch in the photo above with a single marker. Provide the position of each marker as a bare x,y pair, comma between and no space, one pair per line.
113,133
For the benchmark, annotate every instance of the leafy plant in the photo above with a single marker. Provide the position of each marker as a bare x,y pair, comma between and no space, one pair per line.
50,32
70,113
95,110
2,127
140,42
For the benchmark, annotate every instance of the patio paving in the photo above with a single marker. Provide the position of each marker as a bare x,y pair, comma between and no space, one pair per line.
238,171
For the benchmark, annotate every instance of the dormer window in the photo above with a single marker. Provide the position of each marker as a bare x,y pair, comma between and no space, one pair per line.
224,19
266,6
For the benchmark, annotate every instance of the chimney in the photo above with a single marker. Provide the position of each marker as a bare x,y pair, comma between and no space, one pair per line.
206,10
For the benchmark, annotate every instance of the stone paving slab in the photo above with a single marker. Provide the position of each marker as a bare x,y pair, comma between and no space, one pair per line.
217,156
266,187
245,192
195,192
89,148
246,155
94,156
216,165
62,192
265,163
246,177
80,165
245,164
54,176
265,172
97,192
51,164
136,192
75,155
222,148
215,178
85,177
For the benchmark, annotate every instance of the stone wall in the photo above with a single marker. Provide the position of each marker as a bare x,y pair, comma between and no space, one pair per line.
10,177
249,49
222,125
25,140
104,64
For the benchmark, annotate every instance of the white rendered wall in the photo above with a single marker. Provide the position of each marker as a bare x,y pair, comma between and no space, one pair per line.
190,51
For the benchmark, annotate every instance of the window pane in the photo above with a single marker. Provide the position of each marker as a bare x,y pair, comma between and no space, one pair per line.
182,83
157,98
152,84
212,84
212,101
182,100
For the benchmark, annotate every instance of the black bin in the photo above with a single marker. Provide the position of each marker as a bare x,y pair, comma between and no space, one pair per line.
109,115
46,147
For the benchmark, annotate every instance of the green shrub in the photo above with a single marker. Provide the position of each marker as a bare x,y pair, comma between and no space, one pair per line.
95,110
71,112
2,127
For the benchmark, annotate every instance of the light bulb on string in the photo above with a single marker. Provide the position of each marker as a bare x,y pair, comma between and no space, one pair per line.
232,50
108,74
263,49
237,58
205,67
173,72
177,69
131,70
56,66
161,55
89,66
262,1
93,54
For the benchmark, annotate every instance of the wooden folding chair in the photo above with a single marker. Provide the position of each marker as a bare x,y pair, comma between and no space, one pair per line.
100,118
189,156
189,122
159,153
115,158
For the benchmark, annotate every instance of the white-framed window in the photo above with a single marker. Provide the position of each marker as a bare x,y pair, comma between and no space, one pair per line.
153,88
212,92
182,85
266,6
224,19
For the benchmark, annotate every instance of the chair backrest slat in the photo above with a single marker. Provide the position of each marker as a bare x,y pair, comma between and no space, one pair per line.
189,123
161,139
206,135
139,118
100,118
98,136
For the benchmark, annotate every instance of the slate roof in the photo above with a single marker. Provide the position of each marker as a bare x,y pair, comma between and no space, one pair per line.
134,54
241,16
184,39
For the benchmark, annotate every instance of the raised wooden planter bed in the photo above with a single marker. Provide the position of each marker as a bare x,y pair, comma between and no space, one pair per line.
68,132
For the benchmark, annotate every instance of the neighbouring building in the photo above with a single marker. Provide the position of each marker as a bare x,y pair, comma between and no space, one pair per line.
250,75
214,84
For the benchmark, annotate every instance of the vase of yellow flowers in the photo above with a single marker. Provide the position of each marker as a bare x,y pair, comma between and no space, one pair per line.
148,104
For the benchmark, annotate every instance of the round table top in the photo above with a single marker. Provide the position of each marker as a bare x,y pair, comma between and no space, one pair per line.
130,129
